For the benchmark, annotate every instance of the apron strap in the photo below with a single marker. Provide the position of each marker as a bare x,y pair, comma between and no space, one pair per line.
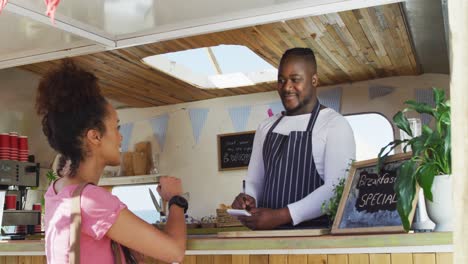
75,225
313,116
274,125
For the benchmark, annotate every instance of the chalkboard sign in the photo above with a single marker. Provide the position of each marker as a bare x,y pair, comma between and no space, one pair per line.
234,150
368,204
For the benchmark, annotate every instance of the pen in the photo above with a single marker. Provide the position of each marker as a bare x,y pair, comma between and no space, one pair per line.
243,197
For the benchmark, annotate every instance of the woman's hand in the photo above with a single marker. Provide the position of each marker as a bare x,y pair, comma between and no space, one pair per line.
169,187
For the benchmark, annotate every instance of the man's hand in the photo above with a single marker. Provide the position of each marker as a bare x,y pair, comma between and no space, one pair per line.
266,218
243,201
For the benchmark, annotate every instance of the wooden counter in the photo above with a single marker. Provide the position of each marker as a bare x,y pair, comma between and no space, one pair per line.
420,248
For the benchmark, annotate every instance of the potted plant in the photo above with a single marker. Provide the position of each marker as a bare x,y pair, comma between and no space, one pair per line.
431,157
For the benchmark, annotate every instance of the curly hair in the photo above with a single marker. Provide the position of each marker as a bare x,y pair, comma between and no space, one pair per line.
304,53
70,103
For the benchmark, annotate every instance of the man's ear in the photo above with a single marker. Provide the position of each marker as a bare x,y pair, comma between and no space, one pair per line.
93,136
315,80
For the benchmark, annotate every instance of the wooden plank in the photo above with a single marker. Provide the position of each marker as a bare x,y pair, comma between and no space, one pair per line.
278,259
240,259
222,259
297,259
379,259
444,258
39,260
403,258
276,233
258,259
424,258
190,260
338,259
358,258
25,259
317,259
205,259
11,260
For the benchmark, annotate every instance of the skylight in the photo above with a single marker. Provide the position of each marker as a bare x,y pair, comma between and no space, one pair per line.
224,66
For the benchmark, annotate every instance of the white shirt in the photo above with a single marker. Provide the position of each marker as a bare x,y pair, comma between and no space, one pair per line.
333,149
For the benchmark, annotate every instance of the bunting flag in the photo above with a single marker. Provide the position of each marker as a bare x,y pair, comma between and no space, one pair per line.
270,112
275,108
126,131
331,98
376,90
239,117
425,96
159,126
198,119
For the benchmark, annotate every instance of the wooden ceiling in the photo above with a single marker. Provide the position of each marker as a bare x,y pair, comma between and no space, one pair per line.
350,46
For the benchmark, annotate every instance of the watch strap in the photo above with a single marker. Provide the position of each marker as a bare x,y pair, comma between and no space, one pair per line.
179,201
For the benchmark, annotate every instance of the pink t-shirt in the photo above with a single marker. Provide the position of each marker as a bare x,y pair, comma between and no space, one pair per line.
99,211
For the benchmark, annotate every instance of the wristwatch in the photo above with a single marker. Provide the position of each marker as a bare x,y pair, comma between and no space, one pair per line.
179,201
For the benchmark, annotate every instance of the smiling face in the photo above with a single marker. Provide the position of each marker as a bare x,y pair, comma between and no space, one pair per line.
297,82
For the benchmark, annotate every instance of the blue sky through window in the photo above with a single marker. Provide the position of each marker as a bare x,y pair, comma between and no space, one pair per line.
231,59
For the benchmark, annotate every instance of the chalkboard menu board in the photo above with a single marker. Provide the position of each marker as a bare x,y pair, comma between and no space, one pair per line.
234,150
368,204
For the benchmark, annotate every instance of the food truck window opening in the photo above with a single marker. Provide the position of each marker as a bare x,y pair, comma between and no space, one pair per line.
372,131
216,67
138,200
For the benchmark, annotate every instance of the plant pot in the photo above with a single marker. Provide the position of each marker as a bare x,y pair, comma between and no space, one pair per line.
440,210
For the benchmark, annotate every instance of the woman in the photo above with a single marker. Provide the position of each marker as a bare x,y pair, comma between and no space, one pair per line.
83,127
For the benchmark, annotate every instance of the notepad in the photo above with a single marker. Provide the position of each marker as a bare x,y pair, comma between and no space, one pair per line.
237,212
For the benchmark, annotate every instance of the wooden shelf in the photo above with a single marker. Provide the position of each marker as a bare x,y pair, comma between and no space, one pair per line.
129,180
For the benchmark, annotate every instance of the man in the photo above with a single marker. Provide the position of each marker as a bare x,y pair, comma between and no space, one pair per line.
297,155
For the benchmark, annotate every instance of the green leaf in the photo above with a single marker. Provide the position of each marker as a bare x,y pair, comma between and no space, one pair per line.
51,176
439,95
445,118
425,179
392,145
330,207
421,108
448,151
405,189
402,123
417,145
426,130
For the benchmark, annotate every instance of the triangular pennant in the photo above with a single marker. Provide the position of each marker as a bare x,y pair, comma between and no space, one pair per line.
126,131
270,112
198,119
376,90
425,96
331,98
159,126
239,117
275,107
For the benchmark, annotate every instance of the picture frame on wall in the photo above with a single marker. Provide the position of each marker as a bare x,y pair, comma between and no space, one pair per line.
369,202
234,150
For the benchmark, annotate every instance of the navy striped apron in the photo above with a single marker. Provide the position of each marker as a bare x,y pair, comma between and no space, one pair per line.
290,172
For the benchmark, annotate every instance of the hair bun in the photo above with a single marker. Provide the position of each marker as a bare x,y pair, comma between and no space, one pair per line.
67,88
